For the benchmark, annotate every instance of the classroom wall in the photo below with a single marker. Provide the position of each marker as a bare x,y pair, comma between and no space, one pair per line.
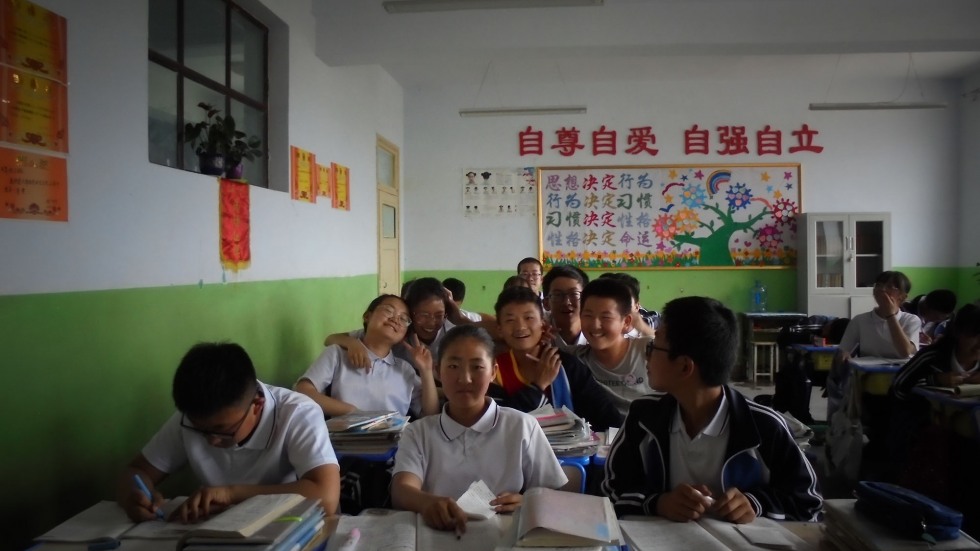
903,162
969,189
95,313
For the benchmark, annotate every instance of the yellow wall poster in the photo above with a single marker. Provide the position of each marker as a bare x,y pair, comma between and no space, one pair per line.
324,185
33,186
303,182
341,192
33,38
33,110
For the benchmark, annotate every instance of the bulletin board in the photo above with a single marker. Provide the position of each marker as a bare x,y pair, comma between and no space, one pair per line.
669,216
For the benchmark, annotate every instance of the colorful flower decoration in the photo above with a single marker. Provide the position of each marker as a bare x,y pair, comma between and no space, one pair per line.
665,226
769,238
784,211
739,196
686,220
693,196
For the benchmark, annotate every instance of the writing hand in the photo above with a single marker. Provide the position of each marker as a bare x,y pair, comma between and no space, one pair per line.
445,514
139,508
734,507
683,503
506,502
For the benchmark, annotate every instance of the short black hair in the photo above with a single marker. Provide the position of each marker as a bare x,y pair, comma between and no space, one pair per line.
706,331
211,377
516,281
608,287
421,290
898,279
517,295
563,270
377,302
942,301
966,321
467,331
527,260
456,287
629,281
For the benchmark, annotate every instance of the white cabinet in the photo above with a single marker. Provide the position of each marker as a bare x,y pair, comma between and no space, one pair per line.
840,255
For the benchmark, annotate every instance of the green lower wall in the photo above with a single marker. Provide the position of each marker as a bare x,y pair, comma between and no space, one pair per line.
733,287
88,376
88,373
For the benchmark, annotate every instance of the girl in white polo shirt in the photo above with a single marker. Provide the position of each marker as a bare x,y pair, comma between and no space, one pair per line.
388,383
472,439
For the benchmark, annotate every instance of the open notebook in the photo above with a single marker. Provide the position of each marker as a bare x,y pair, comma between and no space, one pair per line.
708,534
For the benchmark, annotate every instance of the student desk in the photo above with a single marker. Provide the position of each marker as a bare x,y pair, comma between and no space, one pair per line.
960,414
874,375
816,360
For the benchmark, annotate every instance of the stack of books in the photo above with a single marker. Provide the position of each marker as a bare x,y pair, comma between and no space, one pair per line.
366,432
568,434
261,523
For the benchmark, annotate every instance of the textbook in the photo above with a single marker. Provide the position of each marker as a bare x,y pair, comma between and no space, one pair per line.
292,522
406,531
365,420
708,534
553,518
244,520
107,519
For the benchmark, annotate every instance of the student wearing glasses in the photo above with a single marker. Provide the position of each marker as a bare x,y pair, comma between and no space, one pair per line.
562,290
240,437
388,383
531,270
701,447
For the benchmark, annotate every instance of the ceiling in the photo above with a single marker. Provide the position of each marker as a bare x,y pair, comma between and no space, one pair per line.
625,39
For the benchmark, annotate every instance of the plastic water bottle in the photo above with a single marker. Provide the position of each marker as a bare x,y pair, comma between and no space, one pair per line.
759,297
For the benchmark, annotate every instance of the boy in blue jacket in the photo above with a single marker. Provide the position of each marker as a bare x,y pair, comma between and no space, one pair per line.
701,447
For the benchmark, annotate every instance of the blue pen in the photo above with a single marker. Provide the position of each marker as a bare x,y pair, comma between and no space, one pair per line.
146,491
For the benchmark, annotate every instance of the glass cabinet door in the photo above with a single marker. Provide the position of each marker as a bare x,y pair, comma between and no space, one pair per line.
869,251
830,254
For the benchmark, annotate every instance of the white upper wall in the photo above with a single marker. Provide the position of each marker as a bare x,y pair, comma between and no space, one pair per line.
903,162
135,224
969,181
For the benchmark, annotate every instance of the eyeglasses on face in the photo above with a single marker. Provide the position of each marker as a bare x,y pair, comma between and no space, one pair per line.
222,437
425,316
560,297
652,345
389,312
887,288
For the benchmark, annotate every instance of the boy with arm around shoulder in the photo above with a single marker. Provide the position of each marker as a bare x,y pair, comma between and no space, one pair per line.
240,437
702,439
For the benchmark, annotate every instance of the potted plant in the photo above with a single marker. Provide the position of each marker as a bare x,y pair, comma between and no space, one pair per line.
219,145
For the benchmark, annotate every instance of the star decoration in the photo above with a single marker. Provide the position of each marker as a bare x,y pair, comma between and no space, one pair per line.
765,176
669,198
768,189
778,194
699,175
660,246
672,174
787,175
789,185
684,178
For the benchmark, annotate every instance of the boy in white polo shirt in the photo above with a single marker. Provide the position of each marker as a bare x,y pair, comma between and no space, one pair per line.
702,448
240,437
472,439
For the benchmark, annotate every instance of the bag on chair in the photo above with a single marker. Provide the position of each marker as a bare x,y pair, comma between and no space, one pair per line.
906,512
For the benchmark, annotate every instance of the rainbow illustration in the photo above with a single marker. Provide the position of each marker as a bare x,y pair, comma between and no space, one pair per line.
716,179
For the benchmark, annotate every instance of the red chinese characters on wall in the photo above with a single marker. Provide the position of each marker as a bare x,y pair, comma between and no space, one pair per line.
730,140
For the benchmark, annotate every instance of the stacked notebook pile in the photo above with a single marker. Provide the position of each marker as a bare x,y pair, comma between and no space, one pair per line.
261,523
366,432
568,434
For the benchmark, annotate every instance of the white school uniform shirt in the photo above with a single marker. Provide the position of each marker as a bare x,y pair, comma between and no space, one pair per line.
290,440
505,448
699,460
626,381
871,332
390,385
401,351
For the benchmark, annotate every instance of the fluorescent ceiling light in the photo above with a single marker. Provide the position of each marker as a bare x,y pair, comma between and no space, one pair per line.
875,106
507,111
409,6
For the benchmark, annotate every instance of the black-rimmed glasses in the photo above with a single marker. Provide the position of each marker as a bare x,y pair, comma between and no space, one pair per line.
221,437
652,345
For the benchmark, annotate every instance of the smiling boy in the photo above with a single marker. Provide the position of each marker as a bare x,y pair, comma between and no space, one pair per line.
702,439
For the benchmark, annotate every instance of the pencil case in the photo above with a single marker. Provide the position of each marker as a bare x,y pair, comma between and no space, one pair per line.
906,512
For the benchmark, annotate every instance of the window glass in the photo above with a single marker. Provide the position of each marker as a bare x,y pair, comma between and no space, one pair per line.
247,59
163,28
163,116
194,94
204,38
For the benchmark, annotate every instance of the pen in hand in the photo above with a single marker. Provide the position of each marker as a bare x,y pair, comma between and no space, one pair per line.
146,491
